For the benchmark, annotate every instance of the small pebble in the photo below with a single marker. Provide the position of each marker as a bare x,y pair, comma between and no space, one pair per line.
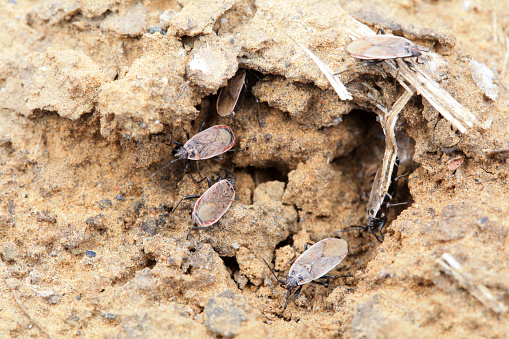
90,254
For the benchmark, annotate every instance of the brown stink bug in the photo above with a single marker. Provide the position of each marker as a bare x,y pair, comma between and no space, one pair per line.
212,204
314,263
378,205
382,47
207,144
229,95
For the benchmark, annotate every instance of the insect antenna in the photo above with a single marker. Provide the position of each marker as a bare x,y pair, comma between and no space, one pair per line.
168,164
400,204
272,270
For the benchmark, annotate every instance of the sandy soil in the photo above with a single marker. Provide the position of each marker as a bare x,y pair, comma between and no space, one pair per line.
92,94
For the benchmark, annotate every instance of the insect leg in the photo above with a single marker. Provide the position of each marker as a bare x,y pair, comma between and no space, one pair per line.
198,168
290,298
323,283
187,166
201,127
357,228
200,228
326,284
228,174
294,255
258,112
368,63
380,223
184,198
210,227
336,276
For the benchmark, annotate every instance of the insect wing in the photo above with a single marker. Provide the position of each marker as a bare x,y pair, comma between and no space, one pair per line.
375,200
211,142
319,259
229,95
381,47
214,203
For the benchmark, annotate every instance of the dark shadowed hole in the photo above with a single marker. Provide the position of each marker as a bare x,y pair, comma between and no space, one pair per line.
261,175
151,262
231,264
287,242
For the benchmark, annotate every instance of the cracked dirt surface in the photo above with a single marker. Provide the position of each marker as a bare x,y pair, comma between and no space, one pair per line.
92,94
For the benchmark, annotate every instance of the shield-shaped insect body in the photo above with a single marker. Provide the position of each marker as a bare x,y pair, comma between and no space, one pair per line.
314,263
378,205
214,203
207,144
382,47
229,95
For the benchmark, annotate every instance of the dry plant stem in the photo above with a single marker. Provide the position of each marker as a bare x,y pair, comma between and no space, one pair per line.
329,74
506,57
441,100
451,266
391,148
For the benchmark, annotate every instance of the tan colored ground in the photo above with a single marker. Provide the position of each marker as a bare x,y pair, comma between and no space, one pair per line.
91,96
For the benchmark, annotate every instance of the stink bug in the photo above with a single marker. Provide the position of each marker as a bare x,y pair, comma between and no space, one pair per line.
314,263
378,48
382,47
212,204
378,205
229,95
207,144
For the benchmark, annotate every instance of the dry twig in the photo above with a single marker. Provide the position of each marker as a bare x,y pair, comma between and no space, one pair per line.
329,74
451,266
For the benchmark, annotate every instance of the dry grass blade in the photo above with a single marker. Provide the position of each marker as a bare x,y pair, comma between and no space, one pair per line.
391,148
440,99
451,266
329,74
